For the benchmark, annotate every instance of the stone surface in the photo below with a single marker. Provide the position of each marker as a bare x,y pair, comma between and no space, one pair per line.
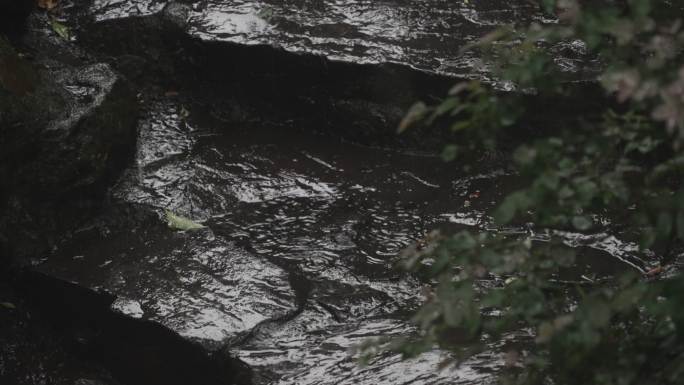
425,34
296,265
34,351
13,14
201,286
300,239
204,289
57,333
248,83
67,127
253,77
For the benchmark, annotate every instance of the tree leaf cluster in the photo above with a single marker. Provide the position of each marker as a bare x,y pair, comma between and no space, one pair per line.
622,171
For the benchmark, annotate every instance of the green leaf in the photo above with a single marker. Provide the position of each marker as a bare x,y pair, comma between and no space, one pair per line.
598,312
680,224
449,152
460,125
586,190
180,223
416,113
266,13
664,225
459,88
506,212
564,256
549,5
547,180
524,155
512,204
545,332
565,192
8,305
60,29
648,237
581,223
447,105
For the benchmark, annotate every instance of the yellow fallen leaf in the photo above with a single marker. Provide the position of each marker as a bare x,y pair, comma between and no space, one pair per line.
414,115
47,4
60,29
178,222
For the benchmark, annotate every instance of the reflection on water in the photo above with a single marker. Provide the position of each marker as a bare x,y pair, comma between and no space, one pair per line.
425,34
296,264
326,350
113,9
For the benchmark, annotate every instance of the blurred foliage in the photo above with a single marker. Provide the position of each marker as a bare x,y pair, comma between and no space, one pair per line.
623,168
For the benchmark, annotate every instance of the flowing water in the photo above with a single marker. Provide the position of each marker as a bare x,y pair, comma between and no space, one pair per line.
425,34
296,263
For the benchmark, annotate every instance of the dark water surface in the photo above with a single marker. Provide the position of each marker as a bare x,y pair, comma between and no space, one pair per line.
296,265
425,34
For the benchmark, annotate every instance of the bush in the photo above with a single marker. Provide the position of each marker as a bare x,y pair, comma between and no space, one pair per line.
622,170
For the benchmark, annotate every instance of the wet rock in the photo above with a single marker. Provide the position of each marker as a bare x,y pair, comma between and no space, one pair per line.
248,83
86,122
177,14
67,127
60,333
204,289
314,350
251,77
13,14
34,351
17,76
425,34
88,381
295,265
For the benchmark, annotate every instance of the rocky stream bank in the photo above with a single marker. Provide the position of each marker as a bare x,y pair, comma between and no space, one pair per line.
273,124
